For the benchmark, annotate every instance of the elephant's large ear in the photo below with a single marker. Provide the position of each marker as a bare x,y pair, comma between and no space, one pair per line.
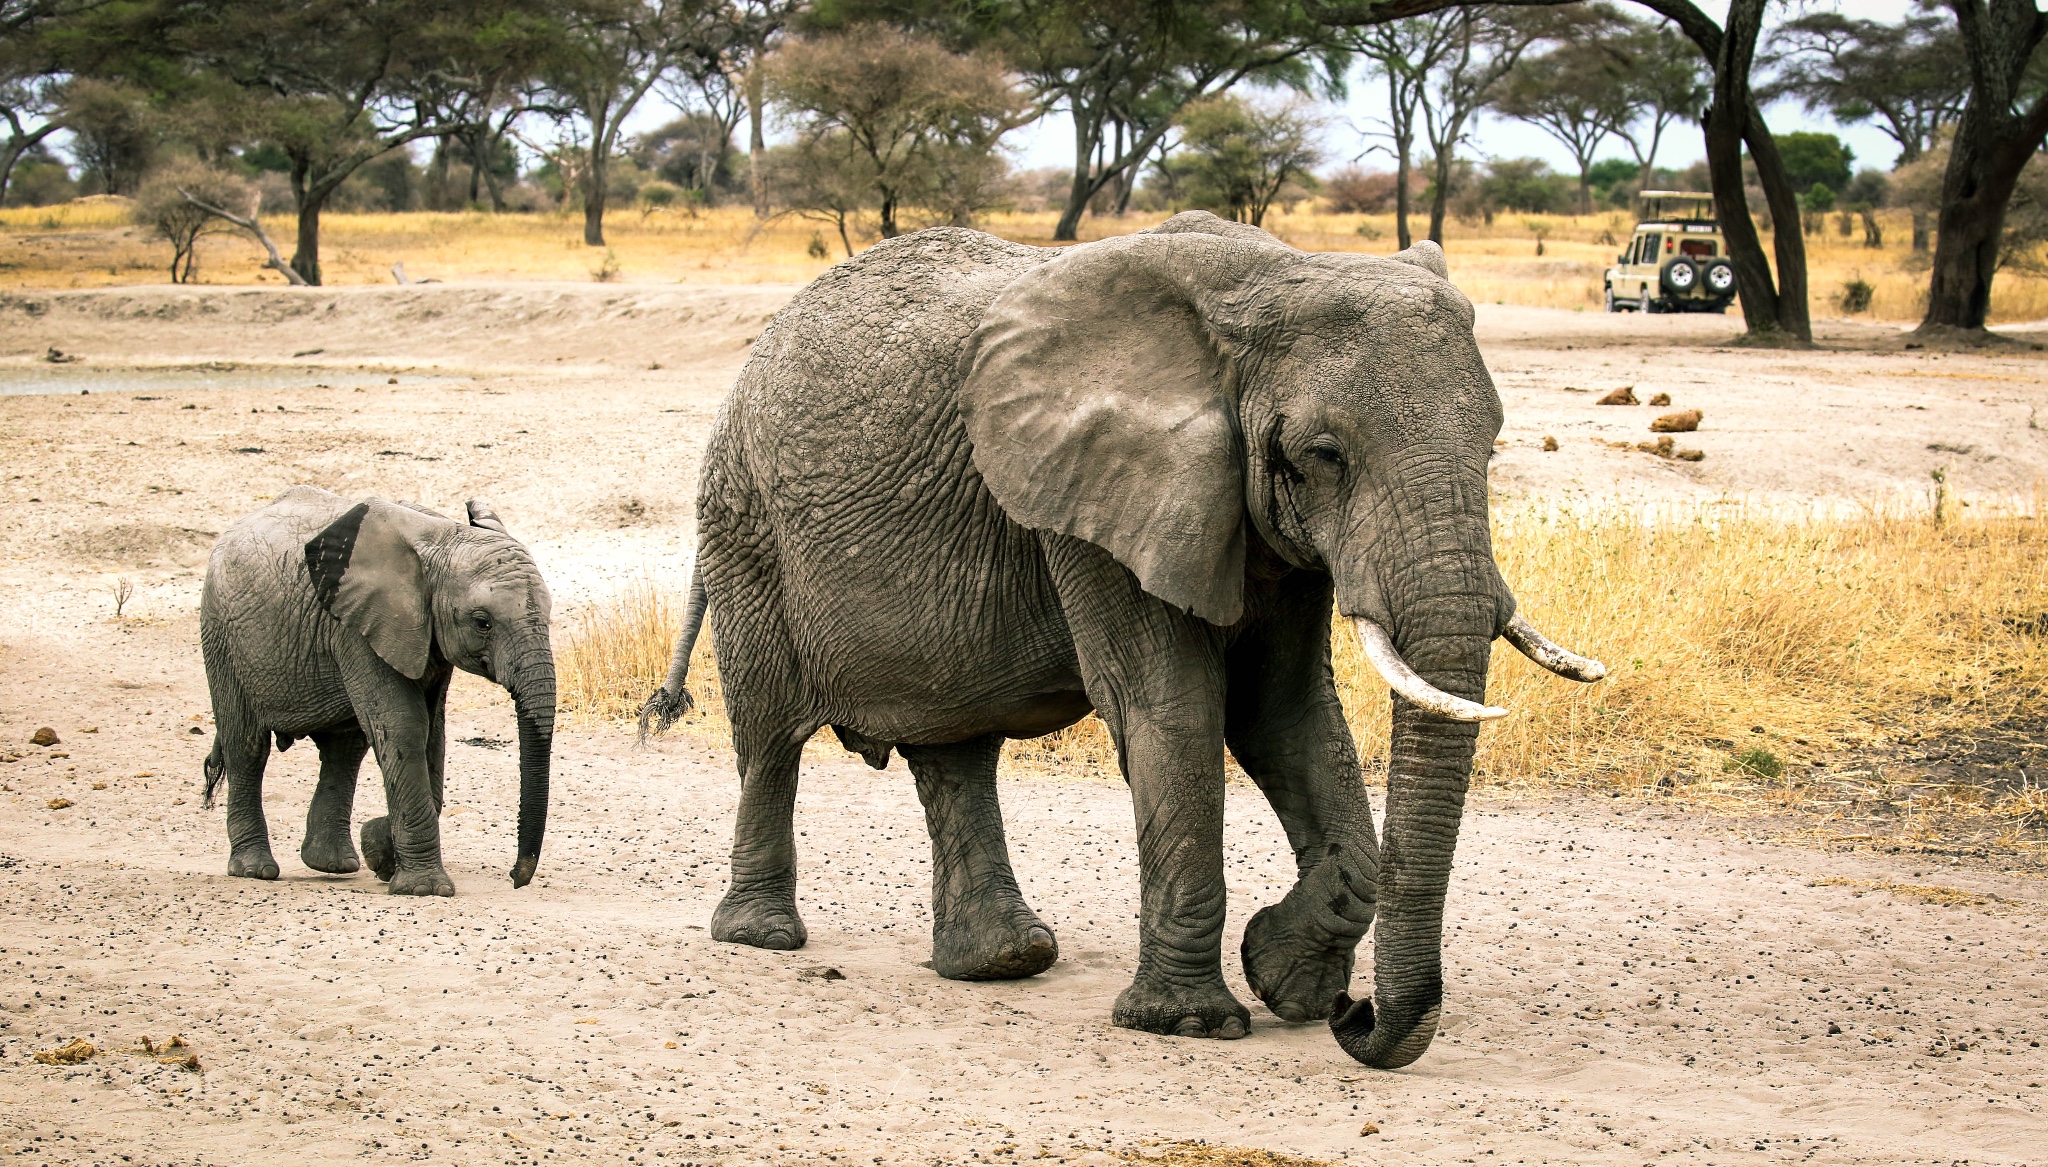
367,573
1103,405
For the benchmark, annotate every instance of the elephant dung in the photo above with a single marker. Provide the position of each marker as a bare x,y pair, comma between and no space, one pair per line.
1549,444
1626,395
1682,422
69,1054
45,737
1661,399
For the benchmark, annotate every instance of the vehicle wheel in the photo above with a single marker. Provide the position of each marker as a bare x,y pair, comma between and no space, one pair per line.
1719,278
1644,304
1611,305
1681,277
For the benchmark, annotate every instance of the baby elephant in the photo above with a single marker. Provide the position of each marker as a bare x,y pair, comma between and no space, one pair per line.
344,622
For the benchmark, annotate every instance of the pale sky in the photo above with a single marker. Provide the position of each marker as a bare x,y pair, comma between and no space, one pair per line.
1050,142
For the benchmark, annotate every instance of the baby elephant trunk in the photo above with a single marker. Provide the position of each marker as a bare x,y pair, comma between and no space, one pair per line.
532,685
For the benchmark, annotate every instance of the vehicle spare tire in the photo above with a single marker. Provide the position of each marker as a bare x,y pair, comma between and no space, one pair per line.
1720,278
1680,276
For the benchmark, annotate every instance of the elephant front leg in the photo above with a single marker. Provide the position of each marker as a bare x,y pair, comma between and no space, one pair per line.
982,930
1155,674
759,909
326,846
1286,727
395,714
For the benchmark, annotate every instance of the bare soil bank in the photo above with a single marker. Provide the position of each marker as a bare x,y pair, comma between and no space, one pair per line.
1626,985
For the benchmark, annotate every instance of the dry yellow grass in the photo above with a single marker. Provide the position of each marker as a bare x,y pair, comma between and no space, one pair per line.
1828,635
89,243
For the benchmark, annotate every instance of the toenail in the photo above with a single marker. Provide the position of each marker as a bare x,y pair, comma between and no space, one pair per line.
1231,1029
1190,1027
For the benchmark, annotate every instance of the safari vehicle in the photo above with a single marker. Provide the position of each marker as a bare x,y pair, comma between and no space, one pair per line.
1677,261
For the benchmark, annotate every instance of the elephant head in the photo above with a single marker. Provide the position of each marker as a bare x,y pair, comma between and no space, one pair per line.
1172,396
424,590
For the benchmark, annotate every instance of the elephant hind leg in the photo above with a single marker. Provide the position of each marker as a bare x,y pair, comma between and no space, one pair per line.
759,909
244,750
327,846
982,930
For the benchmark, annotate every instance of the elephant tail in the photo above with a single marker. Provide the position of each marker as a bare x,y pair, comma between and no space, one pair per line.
216,768
672,700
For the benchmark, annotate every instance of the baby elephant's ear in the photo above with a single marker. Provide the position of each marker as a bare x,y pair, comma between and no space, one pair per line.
368,575
482,515
1425,254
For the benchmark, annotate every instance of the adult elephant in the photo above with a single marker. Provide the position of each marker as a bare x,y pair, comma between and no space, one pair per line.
967,490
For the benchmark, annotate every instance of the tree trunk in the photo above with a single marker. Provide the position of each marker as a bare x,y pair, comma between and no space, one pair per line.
306,256
888,212
757,145
1920,232
593,197
1873,232
1403,200
1440,198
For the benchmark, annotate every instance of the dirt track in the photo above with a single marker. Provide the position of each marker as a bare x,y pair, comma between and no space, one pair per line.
335,1023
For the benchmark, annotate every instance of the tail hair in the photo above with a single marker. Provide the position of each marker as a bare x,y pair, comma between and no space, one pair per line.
673,699
216,769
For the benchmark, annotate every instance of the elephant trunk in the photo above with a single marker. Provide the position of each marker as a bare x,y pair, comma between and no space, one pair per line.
531,682
1444,625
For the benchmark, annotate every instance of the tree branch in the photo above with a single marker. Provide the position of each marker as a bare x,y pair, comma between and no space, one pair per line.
251,224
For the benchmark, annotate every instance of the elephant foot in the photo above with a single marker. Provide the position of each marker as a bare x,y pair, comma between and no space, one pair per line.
994,947
759,921
331,852
252,861
1297,979
422,881
1203,1008
378,851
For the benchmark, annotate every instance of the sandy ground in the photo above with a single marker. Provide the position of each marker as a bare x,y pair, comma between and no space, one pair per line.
1625,985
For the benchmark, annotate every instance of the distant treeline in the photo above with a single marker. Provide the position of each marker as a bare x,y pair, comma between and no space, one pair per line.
891,114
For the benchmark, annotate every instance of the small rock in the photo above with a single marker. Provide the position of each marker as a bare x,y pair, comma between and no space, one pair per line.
1371,1128
45,737
99,786
1549,444
69,1054
196,729
1661,399
821,973
1683,422
56,357
1626,395
1833,1029
58,803
1688,454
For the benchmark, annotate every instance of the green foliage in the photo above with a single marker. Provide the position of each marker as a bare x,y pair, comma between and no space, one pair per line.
1525,185
162,207
1606,173
1815,158
1755,762
1236,157
1856,296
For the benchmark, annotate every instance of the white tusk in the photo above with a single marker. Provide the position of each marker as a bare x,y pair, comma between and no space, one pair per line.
1546,652
1379,649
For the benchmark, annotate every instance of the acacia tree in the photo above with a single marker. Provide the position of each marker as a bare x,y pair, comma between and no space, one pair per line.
1484,49
899,98
1910,78
1576,91
1774,308
1661,76
2003,126
332,84
1405,54
1236,156
607,56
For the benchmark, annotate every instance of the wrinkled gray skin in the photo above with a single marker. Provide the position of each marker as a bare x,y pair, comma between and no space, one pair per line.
344,622
967,490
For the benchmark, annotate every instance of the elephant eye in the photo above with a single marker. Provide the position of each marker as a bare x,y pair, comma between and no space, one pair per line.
1326,450
482,622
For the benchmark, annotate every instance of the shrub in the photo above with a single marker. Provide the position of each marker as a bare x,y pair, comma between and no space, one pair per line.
1856,295
1756,762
